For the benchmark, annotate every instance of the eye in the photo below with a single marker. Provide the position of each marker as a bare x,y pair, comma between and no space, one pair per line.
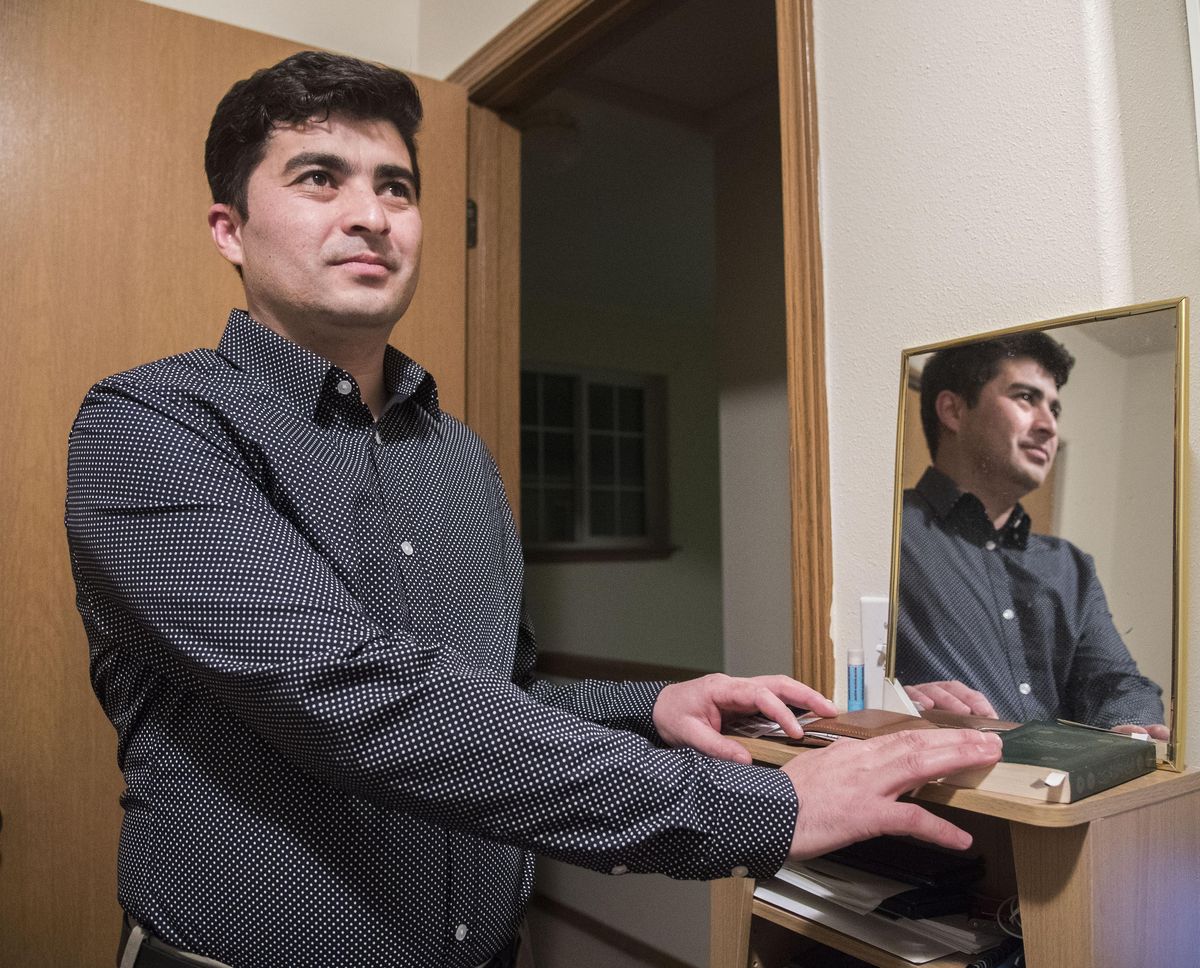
316,178
399,189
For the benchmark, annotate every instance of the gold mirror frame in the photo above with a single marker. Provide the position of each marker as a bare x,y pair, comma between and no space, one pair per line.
1175,713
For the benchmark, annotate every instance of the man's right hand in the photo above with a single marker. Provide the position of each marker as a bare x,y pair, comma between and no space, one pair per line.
848,791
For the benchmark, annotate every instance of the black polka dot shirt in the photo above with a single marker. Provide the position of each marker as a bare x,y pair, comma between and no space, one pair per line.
1021,617
307,628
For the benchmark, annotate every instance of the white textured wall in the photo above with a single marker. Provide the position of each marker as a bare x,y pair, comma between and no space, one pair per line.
1115,486
379,30
430,37
983,165
756,554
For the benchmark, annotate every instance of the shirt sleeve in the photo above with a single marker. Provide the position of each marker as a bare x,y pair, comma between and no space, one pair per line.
168,524
1105,687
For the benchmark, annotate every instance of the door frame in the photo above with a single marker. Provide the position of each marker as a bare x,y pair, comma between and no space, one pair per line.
521,63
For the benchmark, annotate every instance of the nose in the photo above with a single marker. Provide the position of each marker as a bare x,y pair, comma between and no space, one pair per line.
364,212
1045,422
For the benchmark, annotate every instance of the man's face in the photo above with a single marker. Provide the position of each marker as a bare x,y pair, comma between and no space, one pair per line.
333,234
1011,434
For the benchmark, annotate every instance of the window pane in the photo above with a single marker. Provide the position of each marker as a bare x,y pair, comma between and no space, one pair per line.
529,453
600,459
530,532
633,465
560,515
604,519
529,413
600,406
631,409
559,451
633,513
558,400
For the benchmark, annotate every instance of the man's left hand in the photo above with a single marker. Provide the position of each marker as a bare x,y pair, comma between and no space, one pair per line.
691,713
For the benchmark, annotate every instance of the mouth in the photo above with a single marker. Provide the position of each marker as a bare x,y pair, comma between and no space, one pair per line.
1039,453
367,263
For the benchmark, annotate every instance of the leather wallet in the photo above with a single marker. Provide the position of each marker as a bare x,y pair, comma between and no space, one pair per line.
860,724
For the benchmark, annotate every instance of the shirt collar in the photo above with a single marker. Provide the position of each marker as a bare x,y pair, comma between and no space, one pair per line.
303,376
966,513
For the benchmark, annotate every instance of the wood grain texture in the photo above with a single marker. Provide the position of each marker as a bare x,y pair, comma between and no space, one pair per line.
1115,892
731,904
812,536
525,58
1142,791
494,294
106,107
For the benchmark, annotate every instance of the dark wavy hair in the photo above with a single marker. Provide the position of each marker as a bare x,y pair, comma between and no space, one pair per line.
967,368
311,84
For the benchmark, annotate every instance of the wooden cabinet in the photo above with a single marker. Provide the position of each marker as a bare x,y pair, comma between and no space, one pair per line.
1112,881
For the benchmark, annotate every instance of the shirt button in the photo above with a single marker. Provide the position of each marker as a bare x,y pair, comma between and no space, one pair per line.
460,933
1008,614
378,439
344,387
1024,689
991,546
406,547
739,871
620,869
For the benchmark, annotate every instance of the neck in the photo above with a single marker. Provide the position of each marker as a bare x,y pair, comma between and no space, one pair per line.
998,501
358,348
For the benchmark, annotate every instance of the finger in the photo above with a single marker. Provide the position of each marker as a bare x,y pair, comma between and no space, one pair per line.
943,698
976,702
903,761
795,693
749,695
907,819
920,700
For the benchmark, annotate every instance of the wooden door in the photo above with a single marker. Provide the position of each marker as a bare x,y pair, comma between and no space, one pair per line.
108,263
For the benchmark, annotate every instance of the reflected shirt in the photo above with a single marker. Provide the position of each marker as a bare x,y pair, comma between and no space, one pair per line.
1019,616
307,627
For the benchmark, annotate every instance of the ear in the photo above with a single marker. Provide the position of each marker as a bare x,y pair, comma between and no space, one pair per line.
226,226
950,408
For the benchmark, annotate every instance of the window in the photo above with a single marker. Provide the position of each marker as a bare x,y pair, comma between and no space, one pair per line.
593,464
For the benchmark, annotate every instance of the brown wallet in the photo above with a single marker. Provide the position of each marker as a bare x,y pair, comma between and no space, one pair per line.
860,724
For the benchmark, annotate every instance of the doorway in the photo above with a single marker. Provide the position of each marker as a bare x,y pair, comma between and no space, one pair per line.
652,248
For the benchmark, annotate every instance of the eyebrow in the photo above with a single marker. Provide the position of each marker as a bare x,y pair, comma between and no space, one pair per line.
340,166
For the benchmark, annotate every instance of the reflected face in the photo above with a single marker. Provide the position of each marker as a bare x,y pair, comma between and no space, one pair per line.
333,235
1012,431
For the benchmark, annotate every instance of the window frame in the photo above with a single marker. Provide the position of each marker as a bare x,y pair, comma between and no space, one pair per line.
655,542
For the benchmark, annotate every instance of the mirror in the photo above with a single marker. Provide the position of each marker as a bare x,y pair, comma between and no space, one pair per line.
1050,505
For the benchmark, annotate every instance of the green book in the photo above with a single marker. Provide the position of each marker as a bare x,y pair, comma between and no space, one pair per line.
1058,763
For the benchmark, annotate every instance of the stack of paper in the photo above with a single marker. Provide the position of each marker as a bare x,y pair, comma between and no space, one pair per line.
845,899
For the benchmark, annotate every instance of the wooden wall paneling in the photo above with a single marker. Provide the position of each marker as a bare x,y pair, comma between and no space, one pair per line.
494,293
522,60
812,538
109,264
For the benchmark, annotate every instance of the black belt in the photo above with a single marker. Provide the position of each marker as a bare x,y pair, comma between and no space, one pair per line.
154,953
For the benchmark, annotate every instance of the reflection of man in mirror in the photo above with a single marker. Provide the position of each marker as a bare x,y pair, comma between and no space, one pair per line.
993,619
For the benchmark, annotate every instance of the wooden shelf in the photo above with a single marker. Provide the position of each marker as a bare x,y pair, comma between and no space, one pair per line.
843,942
1133,795
1061,860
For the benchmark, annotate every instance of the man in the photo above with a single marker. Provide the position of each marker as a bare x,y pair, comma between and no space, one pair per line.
302,587
994,620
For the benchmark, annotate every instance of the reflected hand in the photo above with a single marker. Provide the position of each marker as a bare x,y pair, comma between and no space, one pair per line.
1156,730
848,791
953,696
692,713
